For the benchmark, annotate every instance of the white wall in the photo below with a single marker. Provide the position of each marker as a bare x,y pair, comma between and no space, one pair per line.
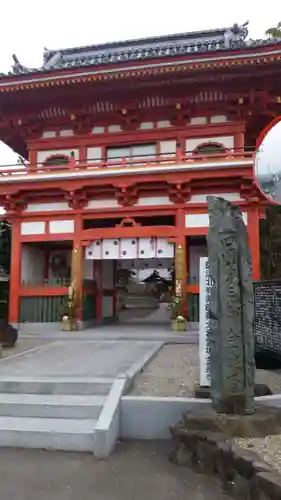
154,201
146,125
168,148
61,226
94,154
47,207
32,228
42,156
48,134
227,141
198,120
107,307
195,252
202,220
32,264
218,119
107,203
202,198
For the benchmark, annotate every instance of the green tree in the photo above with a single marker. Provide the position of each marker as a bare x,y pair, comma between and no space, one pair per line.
5,246
274,32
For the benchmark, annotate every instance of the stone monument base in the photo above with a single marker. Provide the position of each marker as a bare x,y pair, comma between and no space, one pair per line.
265,421
204,392
242,473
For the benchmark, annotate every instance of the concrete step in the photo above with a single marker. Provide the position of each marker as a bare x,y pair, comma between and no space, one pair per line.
47,433
51,405
67,386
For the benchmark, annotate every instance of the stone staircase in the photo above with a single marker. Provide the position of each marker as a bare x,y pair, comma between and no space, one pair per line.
56,414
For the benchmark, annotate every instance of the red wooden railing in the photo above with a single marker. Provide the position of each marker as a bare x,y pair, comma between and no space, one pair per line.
93,164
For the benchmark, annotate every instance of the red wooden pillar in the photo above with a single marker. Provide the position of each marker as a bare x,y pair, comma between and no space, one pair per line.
32,159
98,280
239,141
254,241
78,226
182,240
114,290
15,273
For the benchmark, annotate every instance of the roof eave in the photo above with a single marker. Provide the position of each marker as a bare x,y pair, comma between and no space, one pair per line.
195,61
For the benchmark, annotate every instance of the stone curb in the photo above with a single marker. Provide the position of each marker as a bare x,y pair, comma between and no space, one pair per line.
242,473
139,365
107,429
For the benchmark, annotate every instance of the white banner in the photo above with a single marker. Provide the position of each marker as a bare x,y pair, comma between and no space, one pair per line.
204,375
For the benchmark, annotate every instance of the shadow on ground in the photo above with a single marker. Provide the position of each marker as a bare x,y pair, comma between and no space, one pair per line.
136,471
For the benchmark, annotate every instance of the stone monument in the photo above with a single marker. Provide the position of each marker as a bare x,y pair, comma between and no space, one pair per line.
232,364
231,355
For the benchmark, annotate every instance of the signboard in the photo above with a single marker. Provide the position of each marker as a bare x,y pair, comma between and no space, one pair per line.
204,347
267,316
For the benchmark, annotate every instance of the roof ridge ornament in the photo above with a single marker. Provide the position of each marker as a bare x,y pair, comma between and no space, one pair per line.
17,67
236,35
52,59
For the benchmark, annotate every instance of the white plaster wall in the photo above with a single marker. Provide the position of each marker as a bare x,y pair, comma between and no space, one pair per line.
29,228
168,147
61,226
98,130
154,201
108,274
48,134
195,252
146,125
47,207
202,198
107,307
94,154
42,156
32,264
66,132
108,203
227,141
198,120
202,220
143,201
114,128
218,119
196,220
164,124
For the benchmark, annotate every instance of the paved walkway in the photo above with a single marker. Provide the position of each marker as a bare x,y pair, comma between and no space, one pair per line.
136,471
76,359
133,331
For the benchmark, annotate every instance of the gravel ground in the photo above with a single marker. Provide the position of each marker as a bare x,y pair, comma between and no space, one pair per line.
175,370
268,448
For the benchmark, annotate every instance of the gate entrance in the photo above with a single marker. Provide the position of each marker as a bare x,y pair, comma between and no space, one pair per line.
134,278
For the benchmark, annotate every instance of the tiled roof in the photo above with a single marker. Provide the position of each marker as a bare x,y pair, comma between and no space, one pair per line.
223,39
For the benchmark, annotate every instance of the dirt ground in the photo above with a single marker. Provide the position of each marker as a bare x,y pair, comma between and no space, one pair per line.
174,371
135,471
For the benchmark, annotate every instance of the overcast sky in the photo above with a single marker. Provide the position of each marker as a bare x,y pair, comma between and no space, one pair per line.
28,26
